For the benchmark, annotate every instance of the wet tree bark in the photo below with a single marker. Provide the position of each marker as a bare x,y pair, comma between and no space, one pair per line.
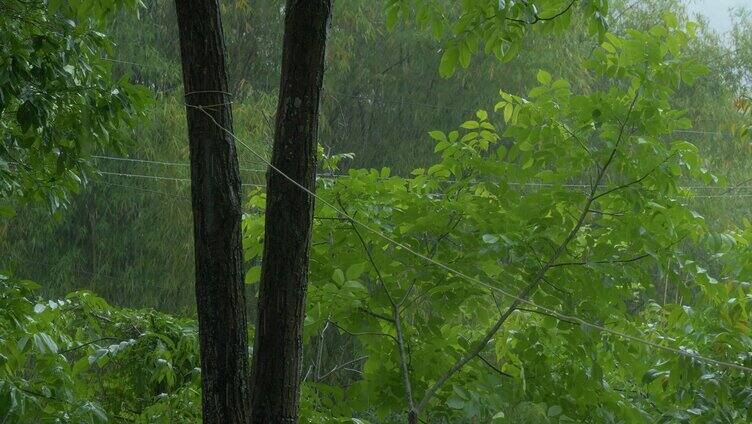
215,192
289,212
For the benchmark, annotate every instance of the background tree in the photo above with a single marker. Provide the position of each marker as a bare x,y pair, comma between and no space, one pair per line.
215,192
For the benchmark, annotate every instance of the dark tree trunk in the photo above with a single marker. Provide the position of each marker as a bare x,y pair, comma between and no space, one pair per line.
215,191
289,213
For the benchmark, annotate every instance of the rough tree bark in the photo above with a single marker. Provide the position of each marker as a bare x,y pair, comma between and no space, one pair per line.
215,192
277,352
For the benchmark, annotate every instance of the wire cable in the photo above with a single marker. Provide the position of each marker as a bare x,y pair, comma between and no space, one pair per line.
525,184
159,162
159,177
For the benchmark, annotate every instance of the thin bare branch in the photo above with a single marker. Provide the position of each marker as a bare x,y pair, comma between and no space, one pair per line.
535,311
321,349
614,214
341,366
606,261
633,182
407,294
537,18
555,287
362,333
86,344
375,315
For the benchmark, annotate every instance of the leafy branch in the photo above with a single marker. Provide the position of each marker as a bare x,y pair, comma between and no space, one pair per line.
537,18
396,318
535,281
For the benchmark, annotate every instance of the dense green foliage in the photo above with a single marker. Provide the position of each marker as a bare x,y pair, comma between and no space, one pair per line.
595,177
505,208
57,101
79,360
494,27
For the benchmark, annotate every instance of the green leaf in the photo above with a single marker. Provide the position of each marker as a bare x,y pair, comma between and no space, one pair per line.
652,374
437,135
392,14
253,275
338,276
508,110
512,51
354,271
448,62
81,365
470,125
441,146
455,402
44,343
490,238
543,77
464,56
554,411
27,116
7,210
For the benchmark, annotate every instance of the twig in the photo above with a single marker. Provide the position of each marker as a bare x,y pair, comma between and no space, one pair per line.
555,287
637,181
85,344
615,214
407,294
535,311
537,18
321,349
375,315
363,333
493,367
611,261
341,366
395,315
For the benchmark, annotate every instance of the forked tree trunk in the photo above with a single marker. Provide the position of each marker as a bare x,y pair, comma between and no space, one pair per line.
215,192
289,212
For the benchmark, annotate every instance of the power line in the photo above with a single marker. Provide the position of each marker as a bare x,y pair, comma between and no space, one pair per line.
526,184
721,195
159,177
699,132
126,62
145,190
159,162
336,176
187,180
553,312
262,185
153,177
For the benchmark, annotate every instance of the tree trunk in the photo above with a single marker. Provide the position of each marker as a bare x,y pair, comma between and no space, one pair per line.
289,212
215,191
